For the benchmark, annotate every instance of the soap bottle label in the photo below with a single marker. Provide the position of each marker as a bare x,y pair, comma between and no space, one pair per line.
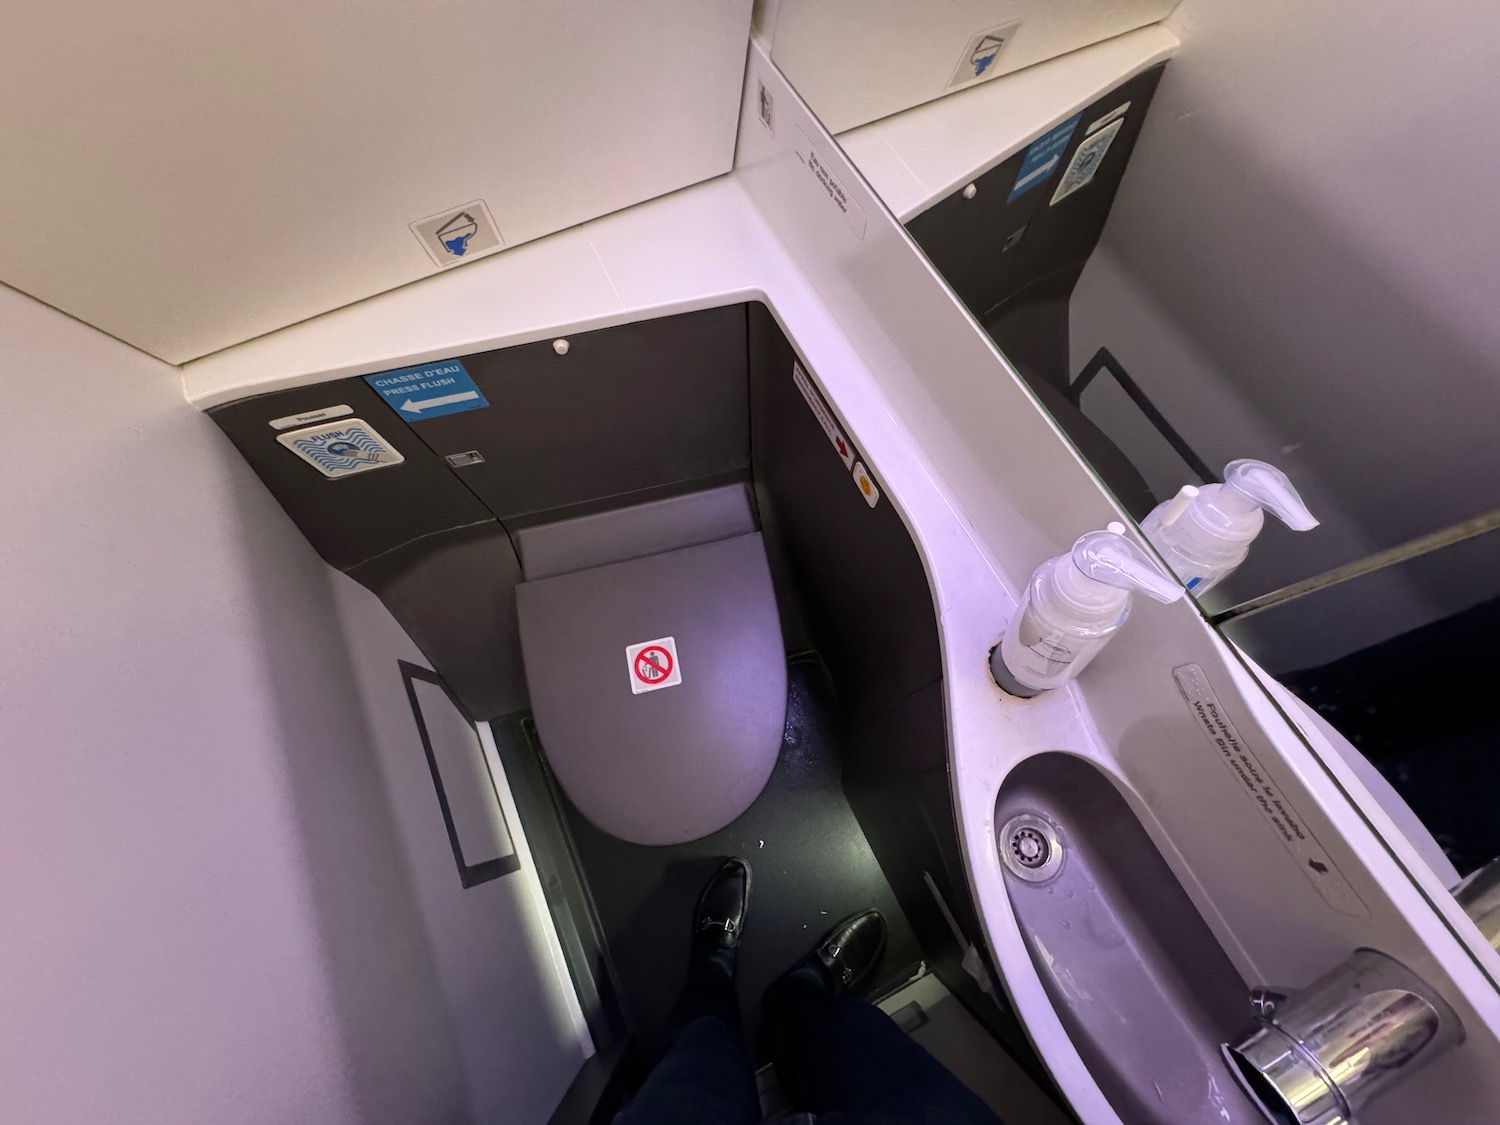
1042,657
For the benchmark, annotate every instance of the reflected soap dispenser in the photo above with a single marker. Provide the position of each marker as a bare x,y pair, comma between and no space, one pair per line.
1205,533
1073,605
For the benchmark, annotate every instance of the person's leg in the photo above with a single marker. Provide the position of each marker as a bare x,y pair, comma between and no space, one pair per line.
705,1077
841,1056
866,1066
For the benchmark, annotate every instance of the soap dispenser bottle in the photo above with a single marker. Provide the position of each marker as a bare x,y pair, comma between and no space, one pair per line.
1072,606
1205,533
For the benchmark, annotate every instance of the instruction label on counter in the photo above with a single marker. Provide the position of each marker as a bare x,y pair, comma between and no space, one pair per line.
1266,795
828,180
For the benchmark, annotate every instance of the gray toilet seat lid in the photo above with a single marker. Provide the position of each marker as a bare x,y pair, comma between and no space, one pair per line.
671,743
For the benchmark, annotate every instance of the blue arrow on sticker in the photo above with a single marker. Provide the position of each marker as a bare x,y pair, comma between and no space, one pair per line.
430,390
415,406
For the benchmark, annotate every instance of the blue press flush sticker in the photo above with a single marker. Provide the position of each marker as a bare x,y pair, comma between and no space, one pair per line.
429,390
1043,157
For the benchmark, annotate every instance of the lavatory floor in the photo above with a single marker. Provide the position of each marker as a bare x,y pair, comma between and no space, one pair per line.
811,864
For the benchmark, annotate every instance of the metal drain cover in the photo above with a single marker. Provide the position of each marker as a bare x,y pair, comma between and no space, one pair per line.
1031,848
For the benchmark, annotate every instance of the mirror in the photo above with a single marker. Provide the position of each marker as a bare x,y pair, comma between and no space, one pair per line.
1205,240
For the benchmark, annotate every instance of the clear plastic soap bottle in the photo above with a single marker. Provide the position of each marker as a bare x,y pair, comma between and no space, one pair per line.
1073,605
1205,533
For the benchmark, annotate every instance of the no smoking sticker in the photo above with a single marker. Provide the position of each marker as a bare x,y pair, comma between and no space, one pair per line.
653,665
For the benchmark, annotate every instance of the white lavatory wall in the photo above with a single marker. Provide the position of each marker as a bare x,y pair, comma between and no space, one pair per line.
1299,266
209,913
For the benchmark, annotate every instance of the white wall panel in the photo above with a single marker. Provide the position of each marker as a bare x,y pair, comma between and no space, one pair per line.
210,912
186,176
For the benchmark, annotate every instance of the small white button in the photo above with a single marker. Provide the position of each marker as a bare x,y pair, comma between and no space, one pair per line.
560,347
971,191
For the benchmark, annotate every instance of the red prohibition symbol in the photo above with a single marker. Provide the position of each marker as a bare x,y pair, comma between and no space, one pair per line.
653,664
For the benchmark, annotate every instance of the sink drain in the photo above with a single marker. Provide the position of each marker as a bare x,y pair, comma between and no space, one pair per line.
1031,848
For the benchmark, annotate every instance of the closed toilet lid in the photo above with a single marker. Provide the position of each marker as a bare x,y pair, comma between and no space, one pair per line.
658,686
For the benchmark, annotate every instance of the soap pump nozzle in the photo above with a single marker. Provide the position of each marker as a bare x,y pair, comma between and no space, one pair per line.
1248,482
1109,557
1204,533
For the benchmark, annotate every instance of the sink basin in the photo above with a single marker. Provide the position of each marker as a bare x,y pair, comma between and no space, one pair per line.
1142,987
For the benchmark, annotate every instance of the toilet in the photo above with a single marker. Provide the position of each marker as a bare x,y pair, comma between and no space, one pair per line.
655,662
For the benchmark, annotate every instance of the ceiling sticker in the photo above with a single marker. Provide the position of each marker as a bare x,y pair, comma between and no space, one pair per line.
981,56
458,235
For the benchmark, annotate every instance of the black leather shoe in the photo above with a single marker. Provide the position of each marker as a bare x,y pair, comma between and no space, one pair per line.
851,950
720,917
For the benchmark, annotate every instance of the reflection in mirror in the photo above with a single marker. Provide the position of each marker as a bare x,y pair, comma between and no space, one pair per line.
856,61
1410,713
1205,241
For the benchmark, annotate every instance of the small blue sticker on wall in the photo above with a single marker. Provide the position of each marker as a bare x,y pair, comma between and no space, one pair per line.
1043,157
429,390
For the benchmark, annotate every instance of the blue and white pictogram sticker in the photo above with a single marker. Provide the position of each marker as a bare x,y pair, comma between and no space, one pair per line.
341,449
1043,157
458,235
982,54
429,390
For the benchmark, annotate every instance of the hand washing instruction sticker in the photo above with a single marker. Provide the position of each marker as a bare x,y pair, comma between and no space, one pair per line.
429,390
341,449
1267,796
981,56
458,235
653,665
1086,160
1043,157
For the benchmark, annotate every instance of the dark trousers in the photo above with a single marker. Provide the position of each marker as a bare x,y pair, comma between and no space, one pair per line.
844,1060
